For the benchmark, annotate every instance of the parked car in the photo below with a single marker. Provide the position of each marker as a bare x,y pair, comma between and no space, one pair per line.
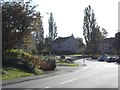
104,57
118,60
111,59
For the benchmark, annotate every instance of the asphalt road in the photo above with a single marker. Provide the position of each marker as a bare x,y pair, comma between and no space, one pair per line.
94,75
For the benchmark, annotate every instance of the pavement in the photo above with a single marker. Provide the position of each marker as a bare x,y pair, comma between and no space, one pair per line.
59,70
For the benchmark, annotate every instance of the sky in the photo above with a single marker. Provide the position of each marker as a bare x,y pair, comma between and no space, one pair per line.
69,14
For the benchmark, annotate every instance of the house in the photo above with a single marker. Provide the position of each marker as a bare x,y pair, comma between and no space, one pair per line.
107,47
65,45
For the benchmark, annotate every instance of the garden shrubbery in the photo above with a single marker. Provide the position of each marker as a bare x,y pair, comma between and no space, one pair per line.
48,63
20,59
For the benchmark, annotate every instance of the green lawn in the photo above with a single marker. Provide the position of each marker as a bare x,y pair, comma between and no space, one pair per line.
67,64
11,73
73,55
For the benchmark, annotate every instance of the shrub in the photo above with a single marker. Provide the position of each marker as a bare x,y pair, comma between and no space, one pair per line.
20,59
48,63
15,53
62,57
44,66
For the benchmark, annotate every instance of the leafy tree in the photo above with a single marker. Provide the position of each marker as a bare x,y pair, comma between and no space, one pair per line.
104,33
96,39
88,25
81,44
117,43
52,32
39,34
47,44
52,28
91,31
17,24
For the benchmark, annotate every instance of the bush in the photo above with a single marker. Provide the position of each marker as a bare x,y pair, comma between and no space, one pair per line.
15,53
48,63
62,57
20,59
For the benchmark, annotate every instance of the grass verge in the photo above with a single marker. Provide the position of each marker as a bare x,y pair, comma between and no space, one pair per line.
68,64
12,73
73,55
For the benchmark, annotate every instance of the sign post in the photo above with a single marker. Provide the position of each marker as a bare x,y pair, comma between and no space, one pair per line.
84,62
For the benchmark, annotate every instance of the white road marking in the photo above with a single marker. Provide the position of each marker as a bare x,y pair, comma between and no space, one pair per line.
68,81
92,74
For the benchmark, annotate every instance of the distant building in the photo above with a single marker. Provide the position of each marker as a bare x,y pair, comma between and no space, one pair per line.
107,47
65,45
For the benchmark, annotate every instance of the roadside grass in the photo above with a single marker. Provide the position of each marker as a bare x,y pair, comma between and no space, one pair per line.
12,73
67,64
73,55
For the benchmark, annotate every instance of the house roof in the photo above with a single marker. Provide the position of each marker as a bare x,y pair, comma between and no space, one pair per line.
61,39
109,40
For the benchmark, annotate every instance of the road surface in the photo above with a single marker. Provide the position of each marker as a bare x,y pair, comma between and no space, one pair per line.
94,75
